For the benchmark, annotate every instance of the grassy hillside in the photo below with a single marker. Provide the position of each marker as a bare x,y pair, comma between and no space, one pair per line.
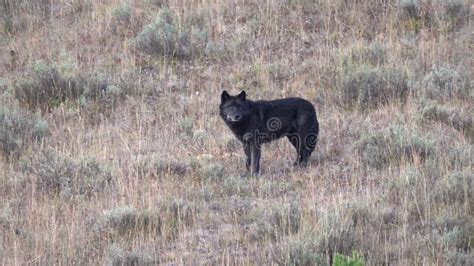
112,150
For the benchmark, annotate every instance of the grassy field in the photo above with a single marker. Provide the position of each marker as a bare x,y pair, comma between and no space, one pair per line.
112,150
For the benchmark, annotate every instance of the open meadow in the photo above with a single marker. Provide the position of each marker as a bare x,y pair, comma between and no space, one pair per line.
112,150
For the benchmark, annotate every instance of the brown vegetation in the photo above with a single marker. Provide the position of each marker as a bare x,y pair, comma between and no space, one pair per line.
112,151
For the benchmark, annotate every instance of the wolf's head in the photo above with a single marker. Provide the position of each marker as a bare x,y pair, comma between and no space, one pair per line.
234,109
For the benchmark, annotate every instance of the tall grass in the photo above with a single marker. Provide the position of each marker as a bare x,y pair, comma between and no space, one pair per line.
112,151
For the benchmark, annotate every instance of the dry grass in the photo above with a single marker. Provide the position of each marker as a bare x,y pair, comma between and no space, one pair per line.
113,151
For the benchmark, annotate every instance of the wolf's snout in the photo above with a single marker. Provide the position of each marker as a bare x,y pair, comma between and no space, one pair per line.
234,118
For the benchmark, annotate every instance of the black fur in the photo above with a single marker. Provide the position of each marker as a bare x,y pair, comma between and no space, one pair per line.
258,122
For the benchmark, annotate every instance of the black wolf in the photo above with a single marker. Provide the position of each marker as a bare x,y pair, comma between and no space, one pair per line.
258,122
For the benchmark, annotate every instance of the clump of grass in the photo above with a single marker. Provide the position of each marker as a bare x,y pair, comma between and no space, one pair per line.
61,175
274,222
321,248
126,221
119,257
20,16
455,14
19,129
236,186
454,117
302,250
187,127
444,15
459,258
126,21
445,194
452,234
413,16
211,171
6,218
444,83
338,234
455,188
166,37
340,230
279,187
176,214
455,8
368,87
157,3
43,85
409,8
168,218
46,86
374,54
460,157
3,85
120,219
393,145
160,168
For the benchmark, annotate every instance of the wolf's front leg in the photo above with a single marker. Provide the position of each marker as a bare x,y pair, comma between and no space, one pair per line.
248,160
255,151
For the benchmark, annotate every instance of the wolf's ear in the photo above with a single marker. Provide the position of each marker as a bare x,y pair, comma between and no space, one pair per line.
242,95
224,96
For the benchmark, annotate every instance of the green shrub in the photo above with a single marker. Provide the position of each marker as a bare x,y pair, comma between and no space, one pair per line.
369,87
341,260
122,13
390,146
67,177
18,129
119,257
122,23
164,37
444,83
